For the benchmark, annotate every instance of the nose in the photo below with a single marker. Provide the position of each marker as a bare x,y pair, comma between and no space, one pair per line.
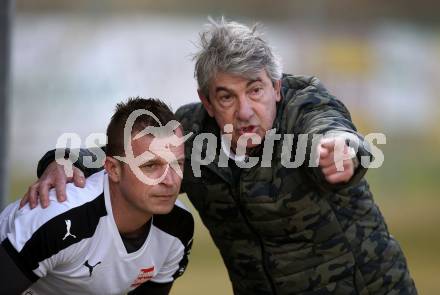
171,178
245,110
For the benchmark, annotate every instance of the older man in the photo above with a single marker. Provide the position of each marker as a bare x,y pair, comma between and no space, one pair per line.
307,227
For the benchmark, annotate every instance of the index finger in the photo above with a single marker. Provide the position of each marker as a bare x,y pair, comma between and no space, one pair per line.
328,143
24,200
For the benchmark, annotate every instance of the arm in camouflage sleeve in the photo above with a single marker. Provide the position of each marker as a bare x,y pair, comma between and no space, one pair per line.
321,113
49,157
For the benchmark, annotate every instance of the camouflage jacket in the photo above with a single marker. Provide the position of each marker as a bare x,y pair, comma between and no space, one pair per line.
286,230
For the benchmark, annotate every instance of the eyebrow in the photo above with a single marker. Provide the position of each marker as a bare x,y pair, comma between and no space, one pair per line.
222,88
253,81
250,82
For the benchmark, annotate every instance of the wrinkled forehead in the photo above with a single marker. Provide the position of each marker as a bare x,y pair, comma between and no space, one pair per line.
249,75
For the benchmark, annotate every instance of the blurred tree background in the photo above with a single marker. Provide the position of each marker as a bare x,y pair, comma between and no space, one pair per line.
72,61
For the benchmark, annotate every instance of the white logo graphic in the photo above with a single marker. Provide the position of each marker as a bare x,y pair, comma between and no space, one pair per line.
68,225
164,137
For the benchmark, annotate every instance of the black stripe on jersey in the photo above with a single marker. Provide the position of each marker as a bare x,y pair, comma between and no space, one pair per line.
19,262
180,224
48,239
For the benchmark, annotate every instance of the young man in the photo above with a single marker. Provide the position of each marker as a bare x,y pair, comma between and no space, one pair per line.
115,235
280,228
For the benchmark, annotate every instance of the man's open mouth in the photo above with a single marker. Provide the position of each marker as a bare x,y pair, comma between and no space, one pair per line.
247,129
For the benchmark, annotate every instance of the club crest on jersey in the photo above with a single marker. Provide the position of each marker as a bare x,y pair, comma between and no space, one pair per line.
144,275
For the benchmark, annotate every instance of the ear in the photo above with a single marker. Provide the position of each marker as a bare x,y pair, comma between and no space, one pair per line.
206,103
113,168
277,88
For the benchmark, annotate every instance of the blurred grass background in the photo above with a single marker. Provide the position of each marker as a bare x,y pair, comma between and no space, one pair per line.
73,60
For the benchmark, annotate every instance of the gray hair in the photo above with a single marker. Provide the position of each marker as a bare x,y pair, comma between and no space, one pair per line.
233,48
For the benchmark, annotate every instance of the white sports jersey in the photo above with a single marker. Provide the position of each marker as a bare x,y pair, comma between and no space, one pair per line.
74,247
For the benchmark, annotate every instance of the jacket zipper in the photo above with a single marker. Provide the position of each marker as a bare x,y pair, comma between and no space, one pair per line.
260,240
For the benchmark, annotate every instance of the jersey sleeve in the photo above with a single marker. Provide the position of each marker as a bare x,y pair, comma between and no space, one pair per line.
177,259
175,265
21,242
13,266
33,238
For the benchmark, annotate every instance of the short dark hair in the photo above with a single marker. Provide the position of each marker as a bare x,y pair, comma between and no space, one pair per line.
115,129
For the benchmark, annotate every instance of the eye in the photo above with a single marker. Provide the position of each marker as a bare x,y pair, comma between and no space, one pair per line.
225,98
150,166
256,92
